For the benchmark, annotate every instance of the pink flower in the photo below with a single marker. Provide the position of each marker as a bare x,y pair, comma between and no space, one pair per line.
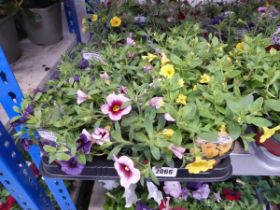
130,42
101,135
122,90
148,68
127,172
172,188
105,77
262,9
156,102
168,117
114,106
177,151
81,97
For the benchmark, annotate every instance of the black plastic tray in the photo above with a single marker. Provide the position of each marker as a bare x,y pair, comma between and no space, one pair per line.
102,169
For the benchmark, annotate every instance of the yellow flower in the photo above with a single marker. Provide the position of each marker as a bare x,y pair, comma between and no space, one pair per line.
116,21
181,83
267,4
223,129
84,21
200,165
108,127
182,99
194,88
94,17
240,46
267,133
229,60
224,148
84,29
205,78
209,150
167,71
150,57
168,133
164,60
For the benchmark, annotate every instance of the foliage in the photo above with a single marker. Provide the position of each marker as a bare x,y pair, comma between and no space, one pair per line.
9,7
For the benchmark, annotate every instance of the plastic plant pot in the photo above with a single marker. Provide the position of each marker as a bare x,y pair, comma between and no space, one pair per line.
219,149
102,169
8,39
272,144
44,27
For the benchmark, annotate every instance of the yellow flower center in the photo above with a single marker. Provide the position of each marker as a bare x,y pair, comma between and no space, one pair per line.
126,168
116,108
240,46
181,83
205,78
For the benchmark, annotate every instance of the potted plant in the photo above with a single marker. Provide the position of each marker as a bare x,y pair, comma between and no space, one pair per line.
8,36
42,21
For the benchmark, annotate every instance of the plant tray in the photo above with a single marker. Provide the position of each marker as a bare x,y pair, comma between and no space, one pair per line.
102,169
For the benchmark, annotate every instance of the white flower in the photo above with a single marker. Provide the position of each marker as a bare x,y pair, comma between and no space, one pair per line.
168,117
81,97
130,196
141,2
172,188
154,192
109,184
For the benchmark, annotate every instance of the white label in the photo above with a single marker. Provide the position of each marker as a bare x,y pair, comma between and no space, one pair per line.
91,56
48,135
165,172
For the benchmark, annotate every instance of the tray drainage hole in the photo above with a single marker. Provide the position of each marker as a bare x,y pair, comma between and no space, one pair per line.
60,190
7,182
67,204
19,164
13,97
1,133
6,144
29,209
13,154
56,183
3,77
63,197
24,172
1,174
24,203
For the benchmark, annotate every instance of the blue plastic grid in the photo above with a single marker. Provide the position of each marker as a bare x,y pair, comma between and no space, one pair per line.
11,95
17,178
72,19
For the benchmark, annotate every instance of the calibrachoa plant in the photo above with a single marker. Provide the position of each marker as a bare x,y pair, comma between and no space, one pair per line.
236,194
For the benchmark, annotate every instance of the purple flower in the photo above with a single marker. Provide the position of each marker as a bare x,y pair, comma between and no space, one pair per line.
148,68
217,197
130,41
172,188
72,166
168,117
262,9
105,77
184,193
84,143
142,206
177,151
156,102
27,112
194,185
84,64
55,76
81,97
202,192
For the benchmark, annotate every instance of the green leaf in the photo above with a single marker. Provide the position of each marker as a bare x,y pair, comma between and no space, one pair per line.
209,136
175,59
17,109
49,149
141,137
82,158
114,151
258,121
234,130
155,152
256,106
273,104
177,138
62,156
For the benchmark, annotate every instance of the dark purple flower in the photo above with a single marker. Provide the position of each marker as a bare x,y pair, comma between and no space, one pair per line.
142,206
131,55
55,76
194,185
76,78
28,111
122,90
84,64
72,166
84,143
217,20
